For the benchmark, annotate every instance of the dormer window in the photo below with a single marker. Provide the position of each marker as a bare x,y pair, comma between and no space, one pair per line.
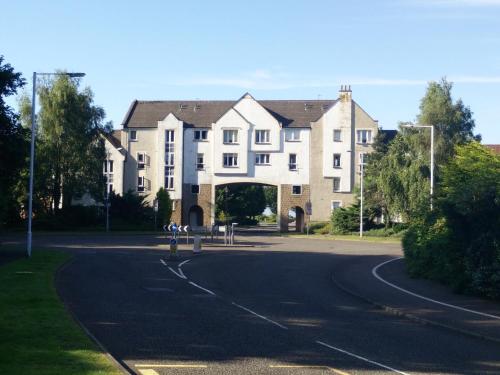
230,136
262,136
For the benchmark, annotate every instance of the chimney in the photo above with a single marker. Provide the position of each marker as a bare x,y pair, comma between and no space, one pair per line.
345,93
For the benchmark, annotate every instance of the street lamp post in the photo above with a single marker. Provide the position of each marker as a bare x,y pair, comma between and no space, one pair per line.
361,164
32,149
432,153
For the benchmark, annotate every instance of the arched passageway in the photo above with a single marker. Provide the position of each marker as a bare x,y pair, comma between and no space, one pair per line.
296,220
195,216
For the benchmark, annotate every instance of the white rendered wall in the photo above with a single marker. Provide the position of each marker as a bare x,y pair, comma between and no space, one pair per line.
118,165
192,148
170,123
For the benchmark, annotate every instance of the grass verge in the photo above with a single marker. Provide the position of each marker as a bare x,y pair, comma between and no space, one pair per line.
37,334
346,237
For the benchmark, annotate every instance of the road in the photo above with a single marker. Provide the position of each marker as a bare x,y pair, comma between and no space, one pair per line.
270,308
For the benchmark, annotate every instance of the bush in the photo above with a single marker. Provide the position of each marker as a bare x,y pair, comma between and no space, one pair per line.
459,243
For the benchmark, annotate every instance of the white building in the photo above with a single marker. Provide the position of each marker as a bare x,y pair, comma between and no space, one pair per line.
309,149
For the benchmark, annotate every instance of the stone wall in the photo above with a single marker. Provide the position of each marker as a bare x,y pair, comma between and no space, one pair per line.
203,199
289,200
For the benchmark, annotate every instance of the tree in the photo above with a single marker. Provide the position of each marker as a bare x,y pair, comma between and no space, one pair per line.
70,150
240,201
13,144
459,243
453,122
398,174
164,206
271,195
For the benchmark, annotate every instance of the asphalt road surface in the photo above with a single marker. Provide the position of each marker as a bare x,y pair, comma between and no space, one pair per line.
270,308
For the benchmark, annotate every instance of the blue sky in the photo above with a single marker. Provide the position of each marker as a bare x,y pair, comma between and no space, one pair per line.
151,50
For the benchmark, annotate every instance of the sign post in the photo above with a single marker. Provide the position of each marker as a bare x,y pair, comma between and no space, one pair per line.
308,213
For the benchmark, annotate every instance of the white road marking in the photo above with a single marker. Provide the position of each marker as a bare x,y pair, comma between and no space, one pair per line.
170,366
183,263
361,358
178,274
374,272
200,287
260,316
148,371
163,262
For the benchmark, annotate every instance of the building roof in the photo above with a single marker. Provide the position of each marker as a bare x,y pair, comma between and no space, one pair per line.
114,138
494,148
202,114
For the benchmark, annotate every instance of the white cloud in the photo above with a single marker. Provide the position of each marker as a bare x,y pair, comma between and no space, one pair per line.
266,80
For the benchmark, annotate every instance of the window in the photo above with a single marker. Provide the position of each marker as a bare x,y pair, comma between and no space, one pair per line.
133,135
142,160
363,160
292,162
110,188
169,159
296,189
337,135
108,166
336,205
140,184
108,174
364,136
336,184
292,135
195,189
336,160
230,160
262,136
200,165
169,178
230,136
200,135
262,159
169,136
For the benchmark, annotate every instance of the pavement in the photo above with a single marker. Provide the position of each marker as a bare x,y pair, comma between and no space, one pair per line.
384,282
271,306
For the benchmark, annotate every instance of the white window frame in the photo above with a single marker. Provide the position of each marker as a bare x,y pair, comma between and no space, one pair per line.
133,135
145,160
339,205
230,156
262,159
339,132
200,166
292,166
339,165
200,135
300,189
360,138
230,136
338,187
292,135
141,185
169,178
262,136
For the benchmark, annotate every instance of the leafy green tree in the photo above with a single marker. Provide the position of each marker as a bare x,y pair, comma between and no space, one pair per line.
398,174
240,201
70,150
13,144
164,206
271,195
459,242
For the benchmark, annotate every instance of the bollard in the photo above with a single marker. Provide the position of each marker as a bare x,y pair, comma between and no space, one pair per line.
173,249
197,244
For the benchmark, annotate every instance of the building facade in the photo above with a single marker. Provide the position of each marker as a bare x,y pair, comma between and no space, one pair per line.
309,149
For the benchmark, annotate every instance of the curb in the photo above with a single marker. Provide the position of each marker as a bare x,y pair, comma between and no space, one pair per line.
414,318
124,369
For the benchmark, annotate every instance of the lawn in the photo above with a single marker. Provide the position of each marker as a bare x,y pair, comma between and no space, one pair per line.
37,335
346,237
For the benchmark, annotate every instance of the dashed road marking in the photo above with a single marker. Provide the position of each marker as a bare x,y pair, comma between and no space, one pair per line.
361,358
200,287
260,316
339,372
170,366
148,371
177,274
374,272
